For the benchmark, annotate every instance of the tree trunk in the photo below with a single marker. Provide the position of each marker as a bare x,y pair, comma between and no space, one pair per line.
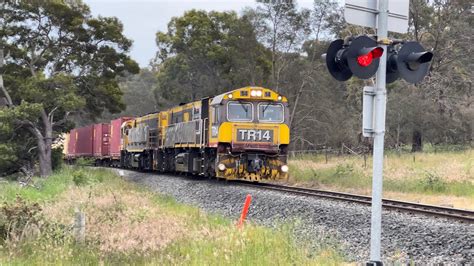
44,142
44,152
417,143
2,88
293,112
46,168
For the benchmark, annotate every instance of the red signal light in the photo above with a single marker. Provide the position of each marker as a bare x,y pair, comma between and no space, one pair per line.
366,59
355,56
377,52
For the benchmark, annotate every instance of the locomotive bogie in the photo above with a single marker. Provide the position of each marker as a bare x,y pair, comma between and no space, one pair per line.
251,166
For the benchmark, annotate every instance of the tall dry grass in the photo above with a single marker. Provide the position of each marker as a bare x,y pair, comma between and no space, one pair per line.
448,176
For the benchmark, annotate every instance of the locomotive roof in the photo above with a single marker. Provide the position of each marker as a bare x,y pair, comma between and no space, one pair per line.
250,93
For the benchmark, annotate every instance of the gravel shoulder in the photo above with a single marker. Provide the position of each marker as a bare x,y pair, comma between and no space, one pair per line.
405,237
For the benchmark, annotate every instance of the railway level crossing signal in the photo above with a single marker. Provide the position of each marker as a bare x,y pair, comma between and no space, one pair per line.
363,57
360,57
410,62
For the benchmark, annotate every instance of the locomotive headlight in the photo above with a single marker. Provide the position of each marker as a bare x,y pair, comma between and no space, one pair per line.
221,167
284,168
256,93
279,97
230,95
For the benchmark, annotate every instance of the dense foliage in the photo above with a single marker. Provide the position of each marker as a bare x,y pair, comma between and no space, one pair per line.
204,54
59,61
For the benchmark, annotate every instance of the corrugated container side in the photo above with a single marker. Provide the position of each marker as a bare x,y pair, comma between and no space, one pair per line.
84,142
115,136
71,147
101,140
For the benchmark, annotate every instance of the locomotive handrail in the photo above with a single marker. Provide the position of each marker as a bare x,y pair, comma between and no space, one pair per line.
203,131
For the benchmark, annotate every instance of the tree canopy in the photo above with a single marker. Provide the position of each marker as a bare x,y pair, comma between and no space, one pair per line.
59,61
203,54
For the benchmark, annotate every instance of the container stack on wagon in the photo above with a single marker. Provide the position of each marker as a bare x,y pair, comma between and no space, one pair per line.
86,140
100,148
100,142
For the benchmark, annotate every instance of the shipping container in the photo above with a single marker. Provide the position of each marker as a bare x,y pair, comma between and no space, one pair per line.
71,147
84,141
115,136
101,140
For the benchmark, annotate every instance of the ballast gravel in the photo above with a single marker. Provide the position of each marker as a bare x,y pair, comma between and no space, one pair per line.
406,238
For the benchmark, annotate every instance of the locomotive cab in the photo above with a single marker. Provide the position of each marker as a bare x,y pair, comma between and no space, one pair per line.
249,128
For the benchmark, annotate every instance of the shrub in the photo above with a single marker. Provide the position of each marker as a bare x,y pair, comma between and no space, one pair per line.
433,182
84,162
344,170
81,177
18,220
57,158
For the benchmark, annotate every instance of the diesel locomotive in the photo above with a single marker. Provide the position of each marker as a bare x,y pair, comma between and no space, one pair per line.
242,134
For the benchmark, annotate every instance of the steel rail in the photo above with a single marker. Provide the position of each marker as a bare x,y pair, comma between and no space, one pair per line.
412,207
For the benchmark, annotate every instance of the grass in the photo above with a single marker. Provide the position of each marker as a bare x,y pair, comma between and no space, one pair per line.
41,190
446,175
127,224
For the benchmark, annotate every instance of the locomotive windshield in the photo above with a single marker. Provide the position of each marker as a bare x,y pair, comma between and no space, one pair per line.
272,113
237,111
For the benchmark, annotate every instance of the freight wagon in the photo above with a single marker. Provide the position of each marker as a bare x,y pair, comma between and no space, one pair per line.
101,142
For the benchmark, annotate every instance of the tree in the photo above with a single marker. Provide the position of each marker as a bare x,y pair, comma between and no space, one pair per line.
205,54
61,61
437,110
138,94
282,29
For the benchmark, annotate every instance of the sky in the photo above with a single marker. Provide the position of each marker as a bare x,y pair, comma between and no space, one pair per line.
143,18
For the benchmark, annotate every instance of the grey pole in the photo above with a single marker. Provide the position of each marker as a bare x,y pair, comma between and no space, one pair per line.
379,132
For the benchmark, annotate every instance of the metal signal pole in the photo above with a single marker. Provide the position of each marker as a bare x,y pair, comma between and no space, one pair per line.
379,133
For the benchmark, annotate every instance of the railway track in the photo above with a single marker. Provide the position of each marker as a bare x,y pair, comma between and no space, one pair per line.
411,207
461,215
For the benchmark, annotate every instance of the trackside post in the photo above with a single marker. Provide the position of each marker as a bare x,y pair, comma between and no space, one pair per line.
245,210
379,133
